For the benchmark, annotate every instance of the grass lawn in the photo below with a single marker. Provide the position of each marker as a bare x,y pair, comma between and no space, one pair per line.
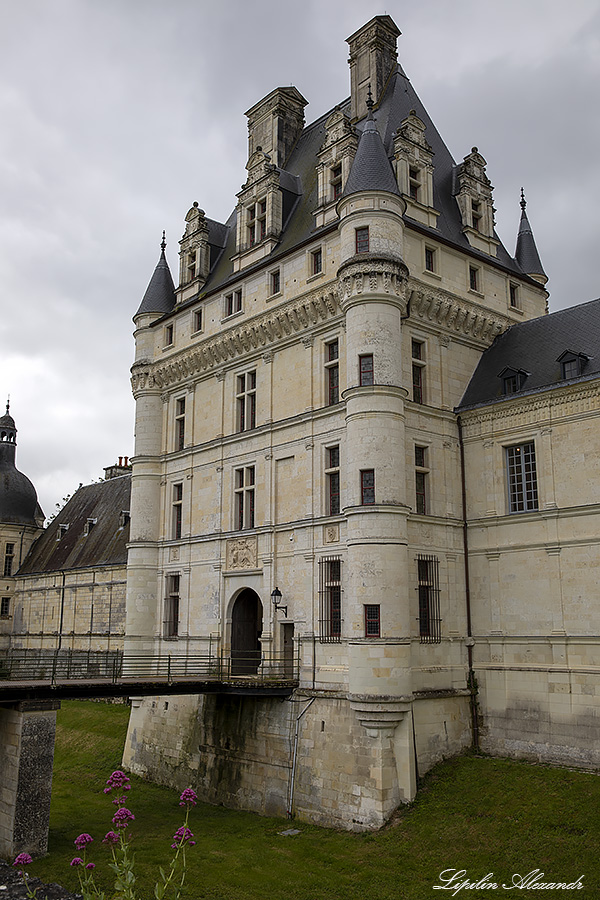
482,815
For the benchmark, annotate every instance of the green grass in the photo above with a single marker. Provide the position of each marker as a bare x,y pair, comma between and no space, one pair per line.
482,815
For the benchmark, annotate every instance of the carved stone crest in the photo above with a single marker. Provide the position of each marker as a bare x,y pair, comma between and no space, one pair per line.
242,553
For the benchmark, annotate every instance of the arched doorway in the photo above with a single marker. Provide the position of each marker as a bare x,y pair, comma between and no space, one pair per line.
246,629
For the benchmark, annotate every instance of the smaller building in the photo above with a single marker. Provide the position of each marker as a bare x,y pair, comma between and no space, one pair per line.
69,592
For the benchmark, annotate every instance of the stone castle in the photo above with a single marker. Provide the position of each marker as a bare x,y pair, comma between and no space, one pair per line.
364,450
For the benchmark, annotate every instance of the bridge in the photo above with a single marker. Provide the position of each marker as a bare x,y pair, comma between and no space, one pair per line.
34,681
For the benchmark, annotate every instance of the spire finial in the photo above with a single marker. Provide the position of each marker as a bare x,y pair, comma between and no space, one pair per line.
163,243
370,103
8,405
523,200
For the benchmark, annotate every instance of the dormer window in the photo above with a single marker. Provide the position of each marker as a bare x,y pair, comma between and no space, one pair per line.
476,214
191,266
572,364
89,525
414,184
62,530
257,222
512,380
124,518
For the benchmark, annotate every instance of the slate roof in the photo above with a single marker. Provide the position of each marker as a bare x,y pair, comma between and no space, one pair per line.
526,253
371,169
535,347
160,293
300,175
106,543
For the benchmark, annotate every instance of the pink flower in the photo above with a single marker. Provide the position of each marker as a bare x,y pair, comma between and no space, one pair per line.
77,861
110,838
23,859
122,817
120,801
188,796
91,866
82,840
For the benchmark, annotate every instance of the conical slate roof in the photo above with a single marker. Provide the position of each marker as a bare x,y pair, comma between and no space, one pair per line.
371,169
160,293
526,253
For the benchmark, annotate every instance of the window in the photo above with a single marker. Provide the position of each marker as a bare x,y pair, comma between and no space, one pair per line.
191,265
330,599
176,511
429,259
332,372
570,368
572,364
124,518
417,350
180,423
430,631
476,216
336,182
233,303
316,262
372,620
9,558
332,474
244,498
362,240
414,183
62,530
256,222
5,607
365,373
89,525
171,615
515,300
473,278
275,282
522,478
169,333
246,401
197,321
512,380
421,477
367,487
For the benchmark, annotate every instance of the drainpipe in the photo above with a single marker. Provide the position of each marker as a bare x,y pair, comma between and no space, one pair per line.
62,610
290,814
472,683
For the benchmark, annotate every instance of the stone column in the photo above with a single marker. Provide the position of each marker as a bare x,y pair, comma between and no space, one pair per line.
27,732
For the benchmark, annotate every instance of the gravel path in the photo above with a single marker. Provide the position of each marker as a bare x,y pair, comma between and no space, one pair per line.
12,887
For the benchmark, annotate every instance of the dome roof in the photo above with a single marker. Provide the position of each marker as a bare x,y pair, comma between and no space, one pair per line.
18,497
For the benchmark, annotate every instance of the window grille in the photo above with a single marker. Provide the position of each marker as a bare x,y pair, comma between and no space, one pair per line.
428,586
522,478
372,620
9,556
330,599
171,610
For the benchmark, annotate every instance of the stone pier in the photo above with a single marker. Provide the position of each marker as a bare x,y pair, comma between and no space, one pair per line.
27,732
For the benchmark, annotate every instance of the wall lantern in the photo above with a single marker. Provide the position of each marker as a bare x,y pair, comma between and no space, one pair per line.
276,597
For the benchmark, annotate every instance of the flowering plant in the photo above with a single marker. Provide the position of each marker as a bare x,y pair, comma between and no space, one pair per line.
171,880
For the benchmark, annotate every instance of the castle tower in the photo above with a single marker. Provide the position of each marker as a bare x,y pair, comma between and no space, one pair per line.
143,621
21,518
372,289
527,253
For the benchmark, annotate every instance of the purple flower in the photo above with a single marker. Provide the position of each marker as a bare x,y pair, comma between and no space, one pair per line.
23,859
188,796
182,835
122,817
120,801
118,779
77,861
111,838
82,840
91,866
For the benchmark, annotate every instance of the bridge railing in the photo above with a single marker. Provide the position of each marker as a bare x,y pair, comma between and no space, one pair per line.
43,665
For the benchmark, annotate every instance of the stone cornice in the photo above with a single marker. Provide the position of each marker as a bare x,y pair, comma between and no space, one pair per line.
455,314
258,333
558,403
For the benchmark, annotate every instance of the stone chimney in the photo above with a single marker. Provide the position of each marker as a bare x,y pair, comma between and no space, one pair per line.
275,124
373,58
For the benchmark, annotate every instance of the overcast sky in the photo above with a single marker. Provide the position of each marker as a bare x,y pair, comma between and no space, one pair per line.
117,114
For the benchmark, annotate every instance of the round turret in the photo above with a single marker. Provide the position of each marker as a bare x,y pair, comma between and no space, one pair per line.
18,497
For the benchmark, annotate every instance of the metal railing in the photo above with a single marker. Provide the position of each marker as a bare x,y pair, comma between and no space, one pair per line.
56,666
